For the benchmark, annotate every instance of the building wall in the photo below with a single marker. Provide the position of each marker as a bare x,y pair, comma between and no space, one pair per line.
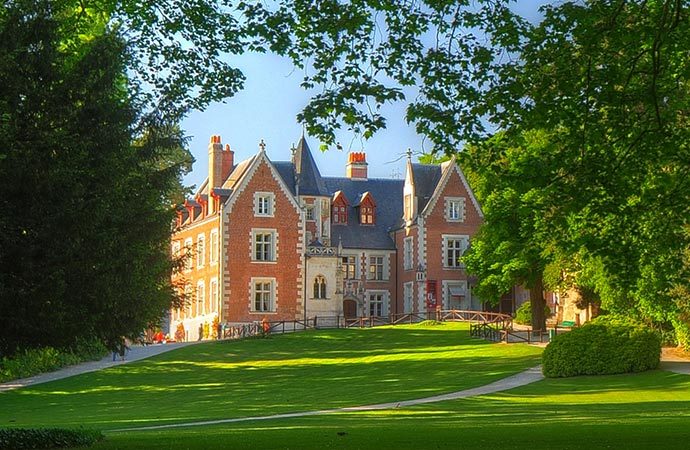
195,314
240,268
332,305
407,275
436,225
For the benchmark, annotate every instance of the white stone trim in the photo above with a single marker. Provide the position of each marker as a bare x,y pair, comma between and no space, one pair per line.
273,292
462,214
271,196
445,294
273,249
444,249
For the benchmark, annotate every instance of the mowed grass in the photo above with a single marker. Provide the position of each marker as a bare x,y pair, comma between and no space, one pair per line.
641,411
289,373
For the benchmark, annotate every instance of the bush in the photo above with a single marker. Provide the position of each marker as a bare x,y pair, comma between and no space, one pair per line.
33,361
21,438
523,315
606,345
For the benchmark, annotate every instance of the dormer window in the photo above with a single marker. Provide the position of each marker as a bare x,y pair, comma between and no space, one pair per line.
340,205
367,209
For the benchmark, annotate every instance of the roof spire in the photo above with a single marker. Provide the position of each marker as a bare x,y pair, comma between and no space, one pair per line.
409,154
262,146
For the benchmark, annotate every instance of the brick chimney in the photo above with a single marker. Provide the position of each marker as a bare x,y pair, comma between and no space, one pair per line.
220,163
356,166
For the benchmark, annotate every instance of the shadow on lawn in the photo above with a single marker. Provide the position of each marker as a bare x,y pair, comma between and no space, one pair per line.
288,373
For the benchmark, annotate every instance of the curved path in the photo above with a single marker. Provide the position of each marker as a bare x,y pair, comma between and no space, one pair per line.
520,379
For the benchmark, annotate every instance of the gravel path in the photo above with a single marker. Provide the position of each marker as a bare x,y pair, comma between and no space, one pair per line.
135,354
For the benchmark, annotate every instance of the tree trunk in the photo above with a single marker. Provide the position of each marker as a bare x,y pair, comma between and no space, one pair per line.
538,304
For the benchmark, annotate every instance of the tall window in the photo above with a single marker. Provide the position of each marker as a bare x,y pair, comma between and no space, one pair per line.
376,306
263,203
407,297
320,287
349,267
376,267
213,251
263,295
200,298
309,212
189,299
213,295
264,246
455,209
407,253
200,251
188,254
454,247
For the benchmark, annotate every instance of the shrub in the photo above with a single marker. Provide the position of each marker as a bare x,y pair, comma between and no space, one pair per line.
606,345
21,438
33,361
523,315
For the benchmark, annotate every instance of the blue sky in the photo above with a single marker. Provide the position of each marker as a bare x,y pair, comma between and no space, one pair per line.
267,109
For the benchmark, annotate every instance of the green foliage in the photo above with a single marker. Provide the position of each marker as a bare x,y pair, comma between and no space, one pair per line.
523,315
606,345
24,438
33,361
89,179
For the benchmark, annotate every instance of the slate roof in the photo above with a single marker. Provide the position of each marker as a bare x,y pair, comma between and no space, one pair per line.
388,195
310,180
426,178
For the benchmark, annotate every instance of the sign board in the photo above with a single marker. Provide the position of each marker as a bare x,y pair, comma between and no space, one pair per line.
431,295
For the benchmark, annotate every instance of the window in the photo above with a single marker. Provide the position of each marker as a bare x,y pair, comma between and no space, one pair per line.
366,215
263,294
376,305
340,214
320,287
376,267
264,245
213,251
188,298
349,267
200,298
407,297
263,204
200,251
407,254
309,212
213,295
188,254
453,248
455,209
176,249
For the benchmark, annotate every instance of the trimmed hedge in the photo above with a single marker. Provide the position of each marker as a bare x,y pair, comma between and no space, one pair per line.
523,315
604,346
33,361
21,438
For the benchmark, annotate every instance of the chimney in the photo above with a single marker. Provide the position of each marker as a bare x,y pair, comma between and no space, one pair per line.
356,166
220,163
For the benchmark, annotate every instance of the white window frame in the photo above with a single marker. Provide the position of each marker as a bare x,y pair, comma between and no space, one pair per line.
200,251
188,249
383,303
459,250
213,294
213,250
355,266
189,293
373,261
309,211
408,297
455,209
200,298
408,260
264,204
267,286
273,245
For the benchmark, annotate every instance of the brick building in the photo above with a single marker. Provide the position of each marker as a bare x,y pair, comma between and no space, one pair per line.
276,239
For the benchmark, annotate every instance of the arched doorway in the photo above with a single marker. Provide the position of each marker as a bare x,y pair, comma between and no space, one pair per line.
350,308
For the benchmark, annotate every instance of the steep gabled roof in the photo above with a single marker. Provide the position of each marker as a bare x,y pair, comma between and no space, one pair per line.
308,175
426,178
388,195
237,173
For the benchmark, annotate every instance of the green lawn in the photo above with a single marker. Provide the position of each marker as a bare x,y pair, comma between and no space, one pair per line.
298,372
642,411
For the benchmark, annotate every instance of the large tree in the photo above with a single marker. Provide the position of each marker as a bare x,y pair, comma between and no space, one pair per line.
87,181
608,81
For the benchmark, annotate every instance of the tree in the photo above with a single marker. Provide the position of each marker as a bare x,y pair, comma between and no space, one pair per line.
608,81
87,184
